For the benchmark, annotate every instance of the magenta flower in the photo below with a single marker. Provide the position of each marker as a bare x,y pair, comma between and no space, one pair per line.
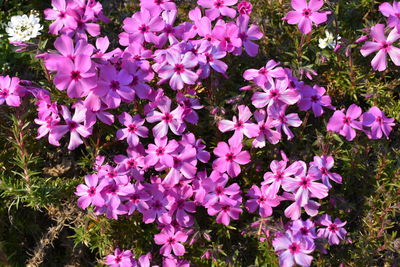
380,124
121,258
245,8
230,158
134,128
182,205
77,76
265,131
240,125
141,27
136,198
304,186
392,13
91,192
160,152
248,34
266,74
184,164
201,154
73,125
305,14
114,86
320,168
293,211
156,6
345,124
276,93
293,250
215,190
9,91
314,98
171,240
283,120
60,13
177,69
167,119
304,229
209,57
384,45
280,173
46,126
261,200
158,208
216,8
228,36
334,231
226,210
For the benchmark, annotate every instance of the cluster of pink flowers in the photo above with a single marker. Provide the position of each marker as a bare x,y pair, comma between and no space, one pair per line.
384,44
164,174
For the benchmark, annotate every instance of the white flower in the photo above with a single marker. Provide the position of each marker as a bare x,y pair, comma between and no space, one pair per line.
329,41
23,28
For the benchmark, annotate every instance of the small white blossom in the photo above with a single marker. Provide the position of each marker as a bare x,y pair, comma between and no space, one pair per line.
23,28
328,41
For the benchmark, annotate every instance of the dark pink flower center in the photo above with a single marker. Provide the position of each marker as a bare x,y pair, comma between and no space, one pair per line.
118,259
209,57
294,248
274,93
243,36
167,117
157,205
307,12
4,93
305,182
179,68
227,39
132,163
379,119
230,157
171,240
219,190
180,203
386,46
159,2
114,85
61,15
168,29
76,75
177,162
144,28
315,98
333,227
72,125
346,120
92,191
262,199
132,128
112,174
226,208
160,151
304,231
239,125
219,3
324,171
282,119
278,176
263,71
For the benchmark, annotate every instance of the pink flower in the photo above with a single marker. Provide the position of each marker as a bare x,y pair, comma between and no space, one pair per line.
247,35
320,168
265,75
230,157
91,192
261,200
304,186
345,124
77,76
46,126
226,210
293,211
171,240
240,125
306,13
384,46
265,131
334,231
177,70
315,99
184,164
182,205
136,198
283,121
293,250
158,208
216,8
160,152
73,125
62,16
134,128
209,57
167,119
392,13
156,6
9,91
228,36
216,190
379,124
304,229
121,258
245,8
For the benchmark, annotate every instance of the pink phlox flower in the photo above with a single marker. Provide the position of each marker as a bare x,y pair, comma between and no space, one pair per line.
167,119
91,192
120,258
9,91
225,210
73,125
171,240
178,69
265,131
314,98
156,6
305,14
158,208
170,33
133,163
304,186
159,153
102,45
384,45
184,165
217,8
134,129
345,124
245,8
61,14
392,13
265,75
190,102
209,58
293,211
101,114
276,93
228,36
293,250
241,125
141,27
216,190
230,157
334,231
380,124
279,175
304,229
259,199
320,168
46,126
181,205
283,120
247,35
201,154
136,198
